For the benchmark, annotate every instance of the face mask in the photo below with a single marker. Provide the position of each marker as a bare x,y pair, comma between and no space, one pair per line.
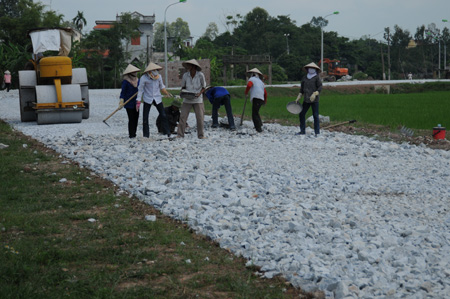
311,71
155,73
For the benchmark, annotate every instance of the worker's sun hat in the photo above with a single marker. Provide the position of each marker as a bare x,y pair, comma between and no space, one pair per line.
312,65
192,62
176,103
7,72
152,67
130,69
255,70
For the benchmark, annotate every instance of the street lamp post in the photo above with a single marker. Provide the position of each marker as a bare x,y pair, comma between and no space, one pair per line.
321,39
287,43
165,41
445,49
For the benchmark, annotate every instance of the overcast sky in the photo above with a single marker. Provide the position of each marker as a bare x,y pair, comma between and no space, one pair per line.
355,19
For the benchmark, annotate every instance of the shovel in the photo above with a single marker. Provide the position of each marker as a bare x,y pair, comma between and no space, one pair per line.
243,111
340,124
120,107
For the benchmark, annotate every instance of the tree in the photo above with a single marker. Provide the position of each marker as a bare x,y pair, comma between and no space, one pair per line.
19,16
319,22
106,52
79,20
211,31
177,31
233,22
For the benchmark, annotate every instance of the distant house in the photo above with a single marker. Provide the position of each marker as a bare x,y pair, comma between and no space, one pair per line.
139,48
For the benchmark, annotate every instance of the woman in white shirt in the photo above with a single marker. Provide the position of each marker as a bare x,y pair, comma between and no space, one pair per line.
193,82
149,91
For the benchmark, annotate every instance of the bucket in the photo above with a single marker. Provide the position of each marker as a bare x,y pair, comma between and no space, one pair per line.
439,132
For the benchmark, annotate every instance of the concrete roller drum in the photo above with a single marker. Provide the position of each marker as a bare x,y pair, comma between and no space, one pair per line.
47,94
27,95
79,76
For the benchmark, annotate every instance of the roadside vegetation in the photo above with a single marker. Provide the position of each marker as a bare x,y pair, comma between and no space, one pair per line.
416,106
103,54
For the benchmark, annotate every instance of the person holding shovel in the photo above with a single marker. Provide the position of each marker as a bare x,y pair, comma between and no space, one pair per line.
194,83
258,96
128,94
149,90
310,88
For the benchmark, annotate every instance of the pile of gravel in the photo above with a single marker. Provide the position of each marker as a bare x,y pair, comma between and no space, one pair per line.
349,215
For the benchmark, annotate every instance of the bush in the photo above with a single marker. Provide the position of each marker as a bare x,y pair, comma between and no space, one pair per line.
360,76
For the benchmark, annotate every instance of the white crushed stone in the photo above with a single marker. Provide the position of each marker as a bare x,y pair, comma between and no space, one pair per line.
349,215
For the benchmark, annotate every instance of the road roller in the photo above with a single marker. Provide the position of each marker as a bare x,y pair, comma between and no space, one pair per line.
50,90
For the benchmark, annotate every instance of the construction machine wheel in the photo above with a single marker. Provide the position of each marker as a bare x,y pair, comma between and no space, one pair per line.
47,94
27,95
51,116
79,76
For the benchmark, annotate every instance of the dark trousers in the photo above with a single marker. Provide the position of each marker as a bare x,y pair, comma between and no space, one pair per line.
225,100
133,117
256,105
7,86
315,110
161,112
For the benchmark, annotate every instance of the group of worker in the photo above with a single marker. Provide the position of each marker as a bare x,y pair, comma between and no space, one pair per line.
173,119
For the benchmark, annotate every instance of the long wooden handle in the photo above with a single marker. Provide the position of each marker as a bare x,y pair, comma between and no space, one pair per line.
121,106
243,111
343,123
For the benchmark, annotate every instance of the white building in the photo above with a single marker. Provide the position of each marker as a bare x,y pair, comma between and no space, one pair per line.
141,47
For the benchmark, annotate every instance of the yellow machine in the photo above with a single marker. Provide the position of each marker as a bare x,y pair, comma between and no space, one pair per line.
53,92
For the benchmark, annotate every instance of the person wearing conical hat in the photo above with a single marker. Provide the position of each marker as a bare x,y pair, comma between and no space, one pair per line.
7,80
193,82
258,96
149,91
310,88
128,92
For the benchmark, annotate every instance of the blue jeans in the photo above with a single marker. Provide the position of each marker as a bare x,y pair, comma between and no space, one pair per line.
161,112
225,100
315,110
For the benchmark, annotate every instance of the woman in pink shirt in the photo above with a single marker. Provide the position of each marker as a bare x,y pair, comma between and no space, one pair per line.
7,80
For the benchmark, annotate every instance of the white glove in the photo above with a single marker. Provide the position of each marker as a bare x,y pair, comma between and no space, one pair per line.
298,97
138,104
121,102
312,98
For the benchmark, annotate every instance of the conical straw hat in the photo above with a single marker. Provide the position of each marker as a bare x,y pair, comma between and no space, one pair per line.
255,70
130,69
193,62
152,66
312,65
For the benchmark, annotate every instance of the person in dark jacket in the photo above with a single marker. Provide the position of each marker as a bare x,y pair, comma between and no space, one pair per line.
173,117
311,86
129,89
219,96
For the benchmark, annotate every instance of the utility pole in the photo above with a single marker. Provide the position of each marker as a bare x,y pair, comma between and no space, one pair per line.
387,37
382,61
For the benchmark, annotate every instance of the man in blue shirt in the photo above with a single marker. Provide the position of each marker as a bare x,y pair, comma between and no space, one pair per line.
219,96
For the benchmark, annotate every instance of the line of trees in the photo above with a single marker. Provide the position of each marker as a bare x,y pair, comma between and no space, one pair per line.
259,33
102,52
